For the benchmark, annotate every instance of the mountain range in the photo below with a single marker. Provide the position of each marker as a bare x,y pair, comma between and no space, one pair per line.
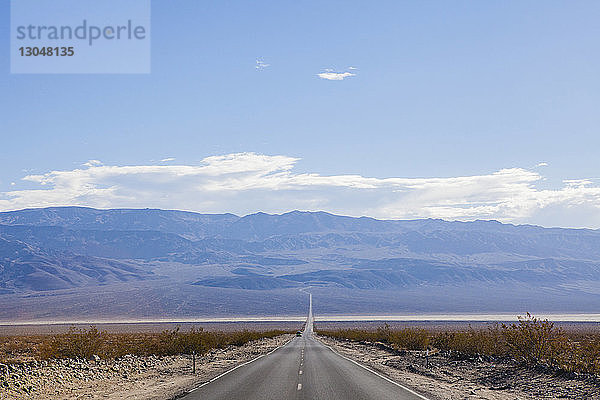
58,257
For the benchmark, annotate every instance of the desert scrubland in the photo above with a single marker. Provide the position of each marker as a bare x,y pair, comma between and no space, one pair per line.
531,359
94,364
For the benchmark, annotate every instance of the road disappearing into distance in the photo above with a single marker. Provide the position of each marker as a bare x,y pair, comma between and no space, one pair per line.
304,368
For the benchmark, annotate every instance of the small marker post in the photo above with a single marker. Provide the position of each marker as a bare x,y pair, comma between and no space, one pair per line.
193,361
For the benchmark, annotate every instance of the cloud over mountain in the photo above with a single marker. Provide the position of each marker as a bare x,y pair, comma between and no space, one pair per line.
246,182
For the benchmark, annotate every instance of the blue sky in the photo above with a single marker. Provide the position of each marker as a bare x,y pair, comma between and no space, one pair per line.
472,109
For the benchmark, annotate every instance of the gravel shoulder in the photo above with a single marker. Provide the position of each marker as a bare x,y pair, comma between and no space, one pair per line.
130,377
443,377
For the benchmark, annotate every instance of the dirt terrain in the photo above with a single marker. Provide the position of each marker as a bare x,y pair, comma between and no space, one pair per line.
130,377
444,377
440,377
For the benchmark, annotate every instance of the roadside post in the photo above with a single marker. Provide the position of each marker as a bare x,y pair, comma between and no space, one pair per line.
193,361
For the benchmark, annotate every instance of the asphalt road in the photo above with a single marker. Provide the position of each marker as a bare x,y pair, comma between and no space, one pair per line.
302,369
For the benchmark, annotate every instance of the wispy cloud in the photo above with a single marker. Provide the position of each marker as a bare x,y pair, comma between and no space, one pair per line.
578,183
247,182
542,164
260,64
168,159
92,163
331,75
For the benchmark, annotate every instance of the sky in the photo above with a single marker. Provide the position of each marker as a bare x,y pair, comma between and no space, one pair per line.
458,110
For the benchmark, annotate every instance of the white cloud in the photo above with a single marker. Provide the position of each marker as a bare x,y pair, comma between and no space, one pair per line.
331,75
260,64
168,159
575,183
542,164
247,182
335,76
92,163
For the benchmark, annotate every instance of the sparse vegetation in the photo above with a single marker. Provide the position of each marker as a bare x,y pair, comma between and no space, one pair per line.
530,342
86,343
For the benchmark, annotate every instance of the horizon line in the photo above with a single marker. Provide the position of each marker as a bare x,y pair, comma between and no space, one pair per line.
300,211
425,317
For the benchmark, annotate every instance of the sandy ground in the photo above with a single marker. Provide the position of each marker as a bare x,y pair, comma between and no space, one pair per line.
447,378
129,377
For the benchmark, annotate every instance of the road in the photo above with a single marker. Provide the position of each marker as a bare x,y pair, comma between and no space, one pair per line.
304,368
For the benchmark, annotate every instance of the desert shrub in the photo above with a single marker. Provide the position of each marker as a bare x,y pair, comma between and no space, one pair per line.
76,343
18,348
406,338
87,343
410,338
583,355
530,342
472,342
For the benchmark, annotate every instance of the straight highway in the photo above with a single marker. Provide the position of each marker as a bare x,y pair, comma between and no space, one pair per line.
304,368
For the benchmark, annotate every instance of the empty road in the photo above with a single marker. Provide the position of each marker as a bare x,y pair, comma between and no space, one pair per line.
302,369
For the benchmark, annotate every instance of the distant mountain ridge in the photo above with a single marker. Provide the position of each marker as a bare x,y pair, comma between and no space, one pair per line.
258,225
295,229
82,218
76,247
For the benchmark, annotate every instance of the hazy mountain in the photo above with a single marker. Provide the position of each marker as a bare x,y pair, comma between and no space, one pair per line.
26,267
186,224
74,247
